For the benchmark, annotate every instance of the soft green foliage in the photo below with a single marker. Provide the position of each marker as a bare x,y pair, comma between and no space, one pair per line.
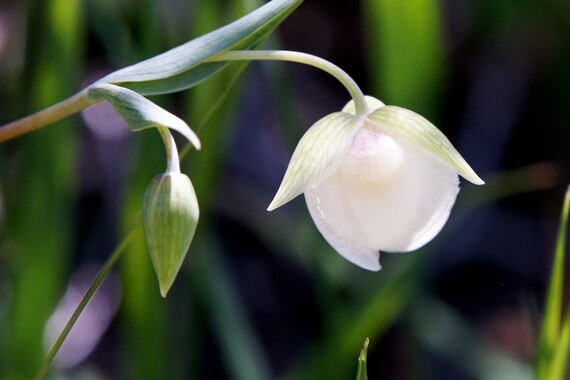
40,220
182,67
404,41
553,347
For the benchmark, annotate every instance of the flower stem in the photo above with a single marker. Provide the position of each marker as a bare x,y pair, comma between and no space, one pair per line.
307,59
172,160
97,281
47,116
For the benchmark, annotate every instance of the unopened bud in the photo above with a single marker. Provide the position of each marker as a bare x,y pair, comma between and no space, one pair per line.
170,216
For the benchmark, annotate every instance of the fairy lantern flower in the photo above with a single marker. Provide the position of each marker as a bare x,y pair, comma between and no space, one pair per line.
385,180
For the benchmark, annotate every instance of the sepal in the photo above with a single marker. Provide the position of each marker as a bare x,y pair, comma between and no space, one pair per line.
412,128
317,155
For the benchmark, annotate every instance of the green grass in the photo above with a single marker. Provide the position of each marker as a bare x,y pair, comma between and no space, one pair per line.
554,343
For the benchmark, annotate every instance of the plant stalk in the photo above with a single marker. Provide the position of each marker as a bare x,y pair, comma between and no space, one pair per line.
307,59
172,160
61,110
97,281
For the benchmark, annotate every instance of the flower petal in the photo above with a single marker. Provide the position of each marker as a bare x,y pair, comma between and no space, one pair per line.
400,210
408,125
337,237
317,155
371,101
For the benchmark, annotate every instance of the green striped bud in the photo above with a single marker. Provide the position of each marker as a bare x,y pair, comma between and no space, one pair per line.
170,216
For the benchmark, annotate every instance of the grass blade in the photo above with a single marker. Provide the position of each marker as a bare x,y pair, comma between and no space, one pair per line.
559,363
553,346
361,374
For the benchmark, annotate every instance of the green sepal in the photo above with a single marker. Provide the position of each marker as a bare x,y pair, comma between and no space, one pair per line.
319,152
139,112
415,129
170,216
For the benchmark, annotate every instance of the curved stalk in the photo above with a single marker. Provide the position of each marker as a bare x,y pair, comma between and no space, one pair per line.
97,281
304,58
172,160
61,110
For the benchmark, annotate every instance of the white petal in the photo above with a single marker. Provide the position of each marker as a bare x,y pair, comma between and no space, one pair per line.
335,233
398,201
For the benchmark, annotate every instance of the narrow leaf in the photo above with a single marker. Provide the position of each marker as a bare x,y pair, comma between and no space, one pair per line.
241,34
139,112
415,129
318,154
559,364
552,345
361,374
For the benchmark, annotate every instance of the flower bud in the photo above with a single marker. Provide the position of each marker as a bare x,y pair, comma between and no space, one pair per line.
170,216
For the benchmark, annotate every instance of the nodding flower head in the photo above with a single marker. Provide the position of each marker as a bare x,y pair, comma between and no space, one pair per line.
384,181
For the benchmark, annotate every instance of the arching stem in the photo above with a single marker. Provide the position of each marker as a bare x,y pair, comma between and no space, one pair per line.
307,59
61,110
172,160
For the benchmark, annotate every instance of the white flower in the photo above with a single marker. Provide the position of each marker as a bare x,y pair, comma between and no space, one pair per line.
385,181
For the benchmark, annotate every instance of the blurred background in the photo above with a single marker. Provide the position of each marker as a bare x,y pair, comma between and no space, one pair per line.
261,295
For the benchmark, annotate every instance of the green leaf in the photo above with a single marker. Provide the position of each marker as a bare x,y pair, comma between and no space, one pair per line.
139,112
318,154
553,344
417,130
361,373
181,68
179,82
559,364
